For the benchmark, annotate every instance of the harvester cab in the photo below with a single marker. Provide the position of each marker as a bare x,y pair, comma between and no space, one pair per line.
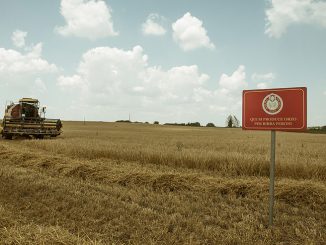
24,118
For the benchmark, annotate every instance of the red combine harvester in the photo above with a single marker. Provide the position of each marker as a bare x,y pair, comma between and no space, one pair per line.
25,119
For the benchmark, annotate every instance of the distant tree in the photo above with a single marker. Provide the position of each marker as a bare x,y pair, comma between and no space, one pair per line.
210,125
156,122
232,122
123,121
229,121
193,124
179,124
236,122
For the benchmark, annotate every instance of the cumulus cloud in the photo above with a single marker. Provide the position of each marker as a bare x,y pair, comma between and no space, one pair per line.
39,85
227,98
87,19
235,82
14,62
263,80
111,72
262,85
25,73
70,82
119,81
263,77
18,38
281,14
189,33
153,26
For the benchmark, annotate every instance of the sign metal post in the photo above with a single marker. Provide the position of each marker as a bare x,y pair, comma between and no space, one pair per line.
271,177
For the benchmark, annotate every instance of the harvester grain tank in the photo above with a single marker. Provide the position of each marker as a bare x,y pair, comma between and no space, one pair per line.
24,118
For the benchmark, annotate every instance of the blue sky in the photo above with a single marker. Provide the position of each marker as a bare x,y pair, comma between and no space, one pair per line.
171,61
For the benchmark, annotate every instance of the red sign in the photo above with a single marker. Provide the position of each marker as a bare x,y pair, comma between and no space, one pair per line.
275,109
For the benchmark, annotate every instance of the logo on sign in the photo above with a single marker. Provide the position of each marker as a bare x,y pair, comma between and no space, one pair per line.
272,104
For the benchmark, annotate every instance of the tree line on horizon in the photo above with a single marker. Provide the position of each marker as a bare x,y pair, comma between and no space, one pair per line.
231,122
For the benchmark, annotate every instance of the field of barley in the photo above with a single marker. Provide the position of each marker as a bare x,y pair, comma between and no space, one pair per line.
121,183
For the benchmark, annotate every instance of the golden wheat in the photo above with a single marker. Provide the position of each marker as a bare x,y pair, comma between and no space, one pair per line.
104,183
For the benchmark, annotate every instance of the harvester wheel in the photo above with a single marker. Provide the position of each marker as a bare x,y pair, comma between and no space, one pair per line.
8,136
59,125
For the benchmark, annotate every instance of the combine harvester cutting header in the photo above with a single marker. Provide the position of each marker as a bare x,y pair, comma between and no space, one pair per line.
25,119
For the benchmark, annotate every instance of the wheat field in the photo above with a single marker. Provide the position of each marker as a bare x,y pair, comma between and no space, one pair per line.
122,183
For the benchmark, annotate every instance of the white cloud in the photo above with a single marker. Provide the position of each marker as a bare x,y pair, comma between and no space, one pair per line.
13,62
263,80
40,86
111,73
18,38
25,74
324,92
235,82
117,82
263,77
282,14
70,82
152,27
87,19
189,33
227,98
262,85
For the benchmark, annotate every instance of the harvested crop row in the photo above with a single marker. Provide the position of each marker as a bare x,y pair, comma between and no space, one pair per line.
227,152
